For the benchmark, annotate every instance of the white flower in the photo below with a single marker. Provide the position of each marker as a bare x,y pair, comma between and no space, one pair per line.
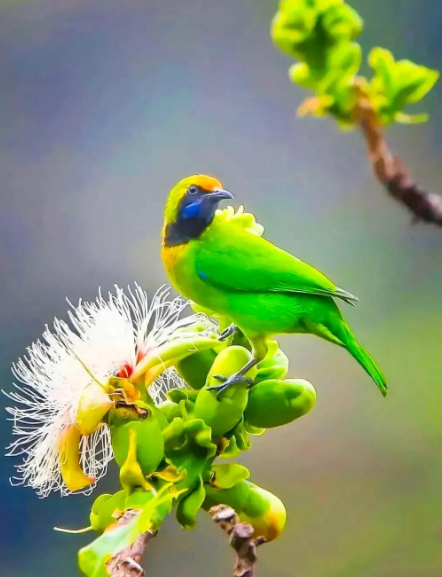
110,337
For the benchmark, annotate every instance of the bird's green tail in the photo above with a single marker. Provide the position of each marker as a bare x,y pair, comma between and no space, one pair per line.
363,357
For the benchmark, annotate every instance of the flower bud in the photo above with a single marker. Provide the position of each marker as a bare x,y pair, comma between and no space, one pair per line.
222,413
263,510
274,366
274,403
124,423
195,368
157,360
69,457
94,403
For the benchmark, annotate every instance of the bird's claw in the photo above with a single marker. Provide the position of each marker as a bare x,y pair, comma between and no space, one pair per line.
228,332
227,382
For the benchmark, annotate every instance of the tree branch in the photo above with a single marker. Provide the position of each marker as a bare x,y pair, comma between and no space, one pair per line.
126,563
241,539
390,170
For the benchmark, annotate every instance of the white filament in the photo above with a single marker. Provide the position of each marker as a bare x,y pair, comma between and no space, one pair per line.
104,336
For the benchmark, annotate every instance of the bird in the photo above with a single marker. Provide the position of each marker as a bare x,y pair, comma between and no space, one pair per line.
263,290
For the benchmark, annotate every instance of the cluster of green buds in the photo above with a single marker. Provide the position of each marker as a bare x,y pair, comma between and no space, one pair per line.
321,35
132,383
170,454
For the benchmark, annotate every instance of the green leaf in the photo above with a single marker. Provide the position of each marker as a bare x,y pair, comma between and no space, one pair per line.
104,509
382,62
227,475
412,83
242,439
189,447
93,558
293,24
231,450
344,62
411,118
189,506
342,23
397,84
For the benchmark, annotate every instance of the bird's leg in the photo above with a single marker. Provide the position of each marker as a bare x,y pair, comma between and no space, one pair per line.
228,332
259,351
237,378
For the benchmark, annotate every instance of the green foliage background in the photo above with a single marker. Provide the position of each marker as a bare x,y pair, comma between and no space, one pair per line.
103,110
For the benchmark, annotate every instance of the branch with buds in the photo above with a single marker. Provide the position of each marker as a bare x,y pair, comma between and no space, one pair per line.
128,562
132,381
321,36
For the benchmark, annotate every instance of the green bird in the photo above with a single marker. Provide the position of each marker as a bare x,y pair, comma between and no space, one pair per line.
262,289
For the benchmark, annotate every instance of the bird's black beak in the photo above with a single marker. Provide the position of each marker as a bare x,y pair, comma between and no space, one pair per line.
219,194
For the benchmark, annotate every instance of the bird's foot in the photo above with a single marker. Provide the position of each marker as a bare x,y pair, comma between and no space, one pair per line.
227,382
228,332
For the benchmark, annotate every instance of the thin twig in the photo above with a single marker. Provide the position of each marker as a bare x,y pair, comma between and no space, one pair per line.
126,563
241,539
390,170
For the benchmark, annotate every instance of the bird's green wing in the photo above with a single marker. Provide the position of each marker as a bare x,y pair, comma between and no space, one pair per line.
235,260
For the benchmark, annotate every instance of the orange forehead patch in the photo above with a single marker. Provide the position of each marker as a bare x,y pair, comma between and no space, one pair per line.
207,182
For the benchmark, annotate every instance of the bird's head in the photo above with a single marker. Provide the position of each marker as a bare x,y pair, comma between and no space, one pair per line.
191,207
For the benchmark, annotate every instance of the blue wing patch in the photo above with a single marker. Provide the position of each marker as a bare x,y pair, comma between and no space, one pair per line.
202,275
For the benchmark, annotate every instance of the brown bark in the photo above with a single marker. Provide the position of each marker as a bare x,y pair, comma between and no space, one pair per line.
241,539
126,563
390,170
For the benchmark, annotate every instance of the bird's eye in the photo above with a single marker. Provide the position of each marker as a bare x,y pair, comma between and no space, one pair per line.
193,189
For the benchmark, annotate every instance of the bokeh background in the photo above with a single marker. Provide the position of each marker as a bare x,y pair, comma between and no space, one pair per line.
104,106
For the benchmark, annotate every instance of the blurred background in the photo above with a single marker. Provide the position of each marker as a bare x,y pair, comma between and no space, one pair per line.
104,106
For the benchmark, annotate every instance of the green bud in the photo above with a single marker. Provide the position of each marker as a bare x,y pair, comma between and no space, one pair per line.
274,403
170,410
149,438
178,395
223,413
195,368
274,366
263,510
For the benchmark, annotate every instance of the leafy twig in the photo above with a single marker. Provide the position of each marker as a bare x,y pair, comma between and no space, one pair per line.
321,35
126,563
390,170
241,539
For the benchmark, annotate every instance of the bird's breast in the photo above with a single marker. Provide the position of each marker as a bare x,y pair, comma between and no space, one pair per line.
172,255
